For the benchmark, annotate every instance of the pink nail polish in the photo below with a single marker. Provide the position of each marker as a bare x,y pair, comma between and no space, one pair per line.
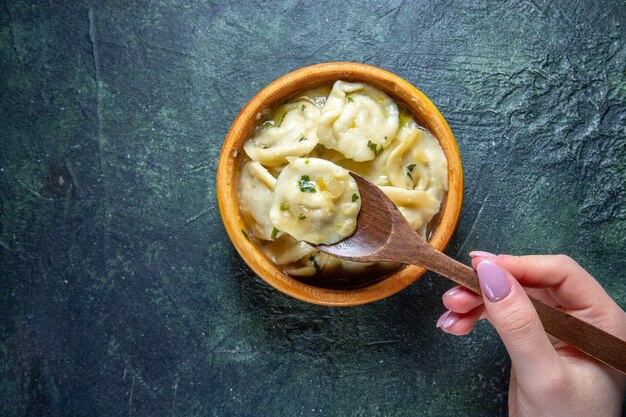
447,319
453,291
481,254
442,318
493,281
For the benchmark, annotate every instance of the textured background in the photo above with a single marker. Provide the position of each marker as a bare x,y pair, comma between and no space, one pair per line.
120,293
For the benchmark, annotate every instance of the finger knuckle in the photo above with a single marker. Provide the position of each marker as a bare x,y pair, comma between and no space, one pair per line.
548,386
565,261
519,323
554,384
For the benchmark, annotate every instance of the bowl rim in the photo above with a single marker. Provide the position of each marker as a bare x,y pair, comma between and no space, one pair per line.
286,86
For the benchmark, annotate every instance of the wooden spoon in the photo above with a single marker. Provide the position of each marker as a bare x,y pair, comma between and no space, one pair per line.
383,234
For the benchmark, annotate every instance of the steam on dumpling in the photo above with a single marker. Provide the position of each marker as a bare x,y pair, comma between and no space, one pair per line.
256,187
315,201
358,120
291,132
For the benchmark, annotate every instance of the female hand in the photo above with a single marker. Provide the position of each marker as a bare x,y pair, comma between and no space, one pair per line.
548,377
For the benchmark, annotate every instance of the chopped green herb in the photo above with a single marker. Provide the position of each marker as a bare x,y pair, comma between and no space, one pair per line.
316,265
268,123
302,216
302,139
355,197
375,148
275,233
284,206
306,162
306,185
350,99
409,170
302,108
245,234
281,119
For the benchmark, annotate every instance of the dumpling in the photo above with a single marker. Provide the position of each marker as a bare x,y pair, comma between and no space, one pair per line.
358,120
256,187
376,169
332,264
292,132
286,250
316,95
315,201
418,162
417,206
305,270
315,262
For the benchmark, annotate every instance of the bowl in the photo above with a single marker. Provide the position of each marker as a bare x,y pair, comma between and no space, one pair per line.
424,112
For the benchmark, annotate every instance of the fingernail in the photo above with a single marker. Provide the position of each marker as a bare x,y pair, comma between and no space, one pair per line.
481,254
447,319
493,281
453,291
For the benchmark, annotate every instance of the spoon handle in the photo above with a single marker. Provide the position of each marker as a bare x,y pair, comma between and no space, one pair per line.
587,338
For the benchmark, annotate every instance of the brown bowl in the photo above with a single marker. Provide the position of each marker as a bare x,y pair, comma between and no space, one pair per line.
425,113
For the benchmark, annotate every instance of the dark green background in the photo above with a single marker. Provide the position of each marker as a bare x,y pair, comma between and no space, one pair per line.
120,293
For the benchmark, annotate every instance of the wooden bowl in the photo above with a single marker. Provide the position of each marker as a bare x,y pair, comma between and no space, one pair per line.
424,112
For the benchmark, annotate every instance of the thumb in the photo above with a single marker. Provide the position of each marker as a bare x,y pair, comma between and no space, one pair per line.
512,314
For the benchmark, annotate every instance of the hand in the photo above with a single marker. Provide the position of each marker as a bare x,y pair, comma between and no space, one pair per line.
548,377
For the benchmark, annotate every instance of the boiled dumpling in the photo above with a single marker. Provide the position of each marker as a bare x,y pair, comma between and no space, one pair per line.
292,132
315,201
286,250
358,120
418,162
256,187
376,169
417,206
316,262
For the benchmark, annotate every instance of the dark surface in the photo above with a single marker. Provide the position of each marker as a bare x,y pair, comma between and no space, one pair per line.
120,293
